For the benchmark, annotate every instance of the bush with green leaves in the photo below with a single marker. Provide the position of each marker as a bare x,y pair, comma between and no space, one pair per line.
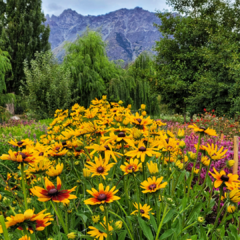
47,87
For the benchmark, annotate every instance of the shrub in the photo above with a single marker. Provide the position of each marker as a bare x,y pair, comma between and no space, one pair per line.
47,86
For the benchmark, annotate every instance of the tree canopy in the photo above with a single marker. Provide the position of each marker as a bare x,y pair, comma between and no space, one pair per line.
198,56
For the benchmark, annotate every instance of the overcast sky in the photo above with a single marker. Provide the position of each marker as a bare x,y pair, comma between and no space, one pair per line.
98,7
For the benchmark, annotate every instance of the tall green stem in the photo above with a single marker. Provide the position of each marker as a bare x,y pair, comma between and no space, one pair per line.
191,178
129,233
106,215
161,223
23,186
4,228
60,218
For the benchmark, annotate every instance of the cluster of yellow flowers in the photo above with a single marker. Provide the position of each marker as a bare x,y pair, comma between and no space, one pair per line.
108,143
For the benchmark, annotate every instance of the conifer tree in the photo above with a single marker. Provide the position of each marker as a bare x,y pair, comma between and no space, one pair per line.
23,33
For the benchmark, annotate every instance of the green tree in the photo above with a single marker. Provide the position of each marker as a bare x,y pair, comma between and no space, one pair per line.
47,87
23,34
194,67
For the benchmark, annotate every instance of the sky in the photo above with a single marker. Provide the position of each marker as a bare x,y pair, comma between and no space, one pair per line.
99,7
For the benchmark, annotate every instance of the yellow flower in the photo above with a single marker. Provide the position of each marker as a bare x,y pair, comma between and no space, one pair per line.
144,113
230,163
118,224
126,121
192,155
143,106
207,131
95,218
101,208
205,161
179,164
25,238
152,184
53,172
182,144
180,133
131,167
152,167
196,171
120,102
129,106
234,195
71,235
136,133
214,153
0,197
231,209
200,219
144,210
86,172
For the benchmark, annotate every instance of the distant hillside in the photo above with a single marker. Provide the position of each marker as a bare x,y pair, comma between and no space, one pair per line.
127,32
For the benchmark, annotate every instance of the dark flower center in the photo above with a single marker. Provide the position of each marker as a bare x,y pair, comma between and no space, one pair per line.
139,120
224,178
78,149
142,211
19,143
203,128
57,148
102,197
152,186
52,192
107,147
23,155
167,140
100,169
122,134
64,143
130,167
142,149
41,154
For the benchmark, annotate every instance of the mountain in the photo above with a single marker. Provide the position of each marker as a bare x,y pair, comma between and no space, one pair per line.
127,32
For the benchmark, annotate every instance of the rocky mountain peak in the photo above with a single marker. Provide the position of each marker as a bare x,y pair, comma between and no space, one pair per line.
128,32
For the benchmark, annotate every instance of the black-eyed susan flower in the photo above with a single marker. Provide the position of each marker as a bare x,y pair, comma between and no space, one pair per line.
231,208
100,167
55,171
106,149
140,122
152,167
25,238
71,235
22,143
144,210
152,184
57,150
203,130
53,193
131,167
234,195
95,218
222,177
141,151
34,222
205,161
214,153
102,196
38,167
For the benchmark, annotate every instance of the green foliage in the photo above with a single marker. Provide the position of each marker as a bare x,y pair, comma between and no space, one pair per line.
47,87
5,65
198,57
94,75
23,33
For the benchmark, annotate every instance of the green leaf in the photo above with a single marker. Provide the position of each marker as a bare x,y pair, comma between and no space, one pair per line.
169,216
233,229
195,212
145,228
83,216
203,234
153,222
194,237
101,228
167,234
122,235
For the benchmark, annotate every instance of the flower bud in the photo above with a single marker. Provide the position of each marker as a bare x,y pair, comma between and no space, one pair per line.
118,224
71,235
231,209
200,219
86,173
182,144
102,208
230,163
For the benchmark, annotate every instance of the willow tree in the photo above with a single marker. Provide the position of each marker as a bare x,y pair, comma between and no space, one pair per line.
5,66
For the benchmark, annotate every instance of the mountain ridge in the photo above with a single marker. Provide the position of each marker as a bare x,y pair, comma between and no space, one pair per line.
128,32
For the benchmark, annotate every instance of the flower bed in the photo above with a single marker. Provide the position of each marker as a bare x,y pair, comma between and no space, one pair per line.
105,173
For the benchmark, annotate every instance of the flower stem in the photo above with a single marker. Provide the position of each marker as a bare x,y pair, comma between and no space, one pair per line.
130,235
106,215
191,178
59,217
4,228
23,186
216,221
161,223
